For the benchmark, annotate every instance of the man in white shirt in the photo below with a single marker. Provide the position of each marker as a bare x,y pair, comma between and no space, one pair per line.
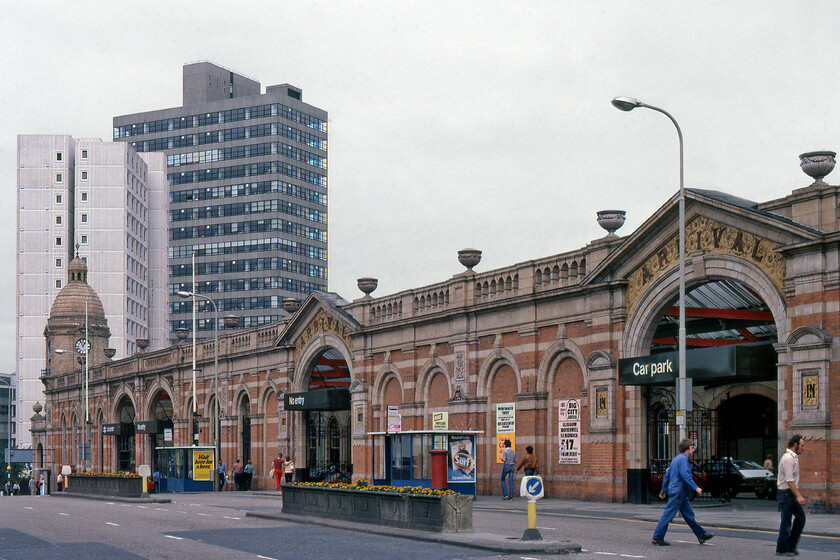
790,499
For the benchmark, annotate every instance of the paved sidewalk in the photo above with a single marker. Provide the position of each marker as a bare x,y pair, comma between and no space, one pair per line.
739,513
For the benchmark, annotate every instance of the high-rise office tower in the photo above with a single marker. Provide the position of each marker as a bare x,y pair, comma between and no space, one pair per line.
248,194
106,203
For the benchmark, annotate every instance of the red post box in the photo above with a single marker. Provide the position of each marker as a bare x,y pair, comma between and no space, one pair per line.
439,468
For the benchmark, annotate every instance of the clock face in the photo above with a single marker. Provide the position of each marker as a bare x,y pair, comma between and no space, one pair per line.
82,346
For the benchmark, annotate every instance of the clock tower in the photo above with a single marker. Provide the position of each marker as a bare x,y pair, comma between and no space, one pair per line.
66,328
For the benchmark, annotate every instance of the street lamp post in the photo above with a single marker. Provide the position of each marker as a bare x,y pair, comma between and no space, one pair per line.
628,104
233,321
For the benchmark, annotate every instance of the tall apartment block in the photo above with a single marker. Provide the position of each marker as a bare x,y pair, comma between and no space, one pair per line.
248,194
109,200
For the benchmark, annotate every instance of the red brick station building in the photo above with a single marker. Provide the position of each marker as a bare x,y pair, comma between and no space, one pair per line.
574,354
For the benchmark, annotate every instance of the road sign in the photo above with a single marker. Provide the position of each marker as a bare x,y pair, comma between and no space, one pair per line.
531,487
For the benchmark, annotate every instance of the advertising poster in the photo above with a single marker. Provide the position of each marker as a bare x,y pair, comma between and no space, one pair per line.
568,431
461,466
202,465
440,421
394,420
505,427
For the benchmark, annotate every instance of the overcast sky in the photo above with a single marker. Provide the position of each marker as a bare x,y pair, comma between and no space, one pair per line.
455,124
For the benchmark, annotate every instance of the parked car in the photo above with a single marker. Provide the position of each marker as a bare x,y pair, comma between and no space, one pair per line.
729,477
657,468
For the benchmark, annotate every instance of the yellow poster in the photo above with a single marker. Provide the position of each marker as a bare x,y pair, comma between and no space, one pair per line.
440,420
202,465
505,427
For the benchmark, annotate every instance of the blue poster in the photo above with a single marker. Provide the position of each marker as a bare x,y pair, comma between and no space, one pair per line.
461,467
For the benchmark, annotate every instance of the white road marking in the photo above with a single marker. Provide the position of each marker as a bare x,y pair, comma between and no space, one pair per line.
27,507
143,507
171,537
125,505
67,514
111,524
266,557
110,503
630,556
205,514
161,509
226,517
548,528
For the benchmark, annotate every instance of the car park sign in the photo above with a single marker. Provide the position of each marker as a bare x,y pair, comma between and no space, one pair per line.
532,488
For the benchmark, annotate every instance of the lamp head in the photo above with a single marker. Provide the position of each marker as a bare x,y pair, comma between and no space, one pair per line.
60,351
626,103
185,295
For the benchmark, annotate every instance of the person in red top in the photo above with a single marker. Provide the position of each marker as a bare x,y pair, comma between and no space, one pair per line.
277,467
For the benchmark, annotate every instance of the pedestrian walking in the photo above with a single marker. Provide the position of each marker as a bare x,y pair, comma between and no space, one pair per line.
790,498
509,460
16,488
238,472
768,463
678,485
289,470
528,462
33,485
249,474
222,475
277,469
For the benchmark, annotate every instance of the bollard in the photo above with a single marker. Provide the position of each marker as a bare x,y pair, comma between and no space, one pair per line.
531,488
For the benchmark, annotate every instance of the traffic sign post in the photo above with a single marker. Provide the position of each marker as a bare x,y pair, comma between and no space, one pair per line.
532,489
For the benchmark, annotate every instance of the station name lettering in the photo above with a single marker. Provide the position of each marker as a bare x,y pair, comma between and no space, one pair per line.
656,368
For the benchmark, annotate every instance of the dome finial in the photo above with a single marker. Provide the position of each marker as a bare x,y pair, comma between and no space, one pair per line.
77,249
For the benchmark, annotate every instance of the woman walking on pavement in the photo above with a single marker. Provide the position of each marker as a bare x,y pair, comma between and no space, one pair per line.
678,485
277,469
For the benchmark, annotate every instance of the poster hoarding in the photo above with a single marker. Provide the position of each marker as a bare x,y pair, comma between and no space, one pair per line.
568,431
505,427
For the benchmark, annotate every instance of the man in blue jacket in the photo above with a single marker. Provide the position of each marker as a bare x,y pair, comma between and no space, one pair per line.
678,484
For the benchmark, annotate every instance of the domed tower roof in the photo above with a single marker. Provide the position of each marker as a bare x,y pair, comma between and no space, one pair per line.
70,301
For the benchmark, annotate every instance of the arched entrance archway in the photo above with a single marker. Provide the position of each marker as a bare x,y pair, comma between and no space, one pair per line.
326,422
245,428
732,311
160,426
125,441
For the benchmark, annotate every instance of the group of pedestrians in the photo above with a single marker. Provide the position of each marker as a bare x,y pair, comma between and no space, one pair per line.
511,466
678,485
280,467
243,475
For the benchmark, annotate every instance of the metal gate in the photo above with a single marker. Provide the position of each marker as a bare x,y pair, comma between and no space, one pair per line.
328,446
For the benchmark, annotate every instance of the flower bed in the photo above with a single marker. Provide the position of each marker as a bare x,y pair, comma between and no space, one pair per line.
442,511
122,484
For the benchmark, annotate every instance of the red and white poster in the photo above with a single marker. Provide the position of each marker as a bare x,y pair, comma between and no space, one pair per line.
568,431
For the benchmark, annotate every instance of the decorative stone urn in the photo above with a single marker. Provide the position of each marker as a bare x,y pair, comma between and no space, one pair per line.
367,285
290,305
817,164
469,258
110,352
611,220
182,333
37,408
142,343
230,321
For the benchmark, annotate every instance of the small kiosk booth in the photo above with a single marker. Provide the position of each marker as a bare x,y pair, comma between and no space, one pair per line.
186,469
425,458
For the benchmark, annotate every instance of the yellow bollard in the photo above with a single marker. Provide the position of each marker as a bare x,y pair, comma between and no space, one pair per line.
532,489
532,515
145,485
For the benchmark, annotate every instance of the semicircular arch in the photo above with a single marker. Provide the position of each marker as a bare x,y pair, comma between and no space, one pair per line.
490,366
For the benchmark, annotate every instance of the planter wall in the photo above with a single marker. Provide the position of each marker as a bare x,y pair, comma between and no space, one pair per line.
128,487
442,514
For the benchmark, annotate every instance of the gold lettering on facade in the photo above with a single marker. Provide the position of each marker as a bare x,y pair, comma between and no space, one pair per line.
322,322
704,234
810,390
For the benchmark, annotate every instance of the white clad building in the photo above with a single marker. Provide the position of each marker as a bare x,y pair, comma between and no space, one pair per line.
112,202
